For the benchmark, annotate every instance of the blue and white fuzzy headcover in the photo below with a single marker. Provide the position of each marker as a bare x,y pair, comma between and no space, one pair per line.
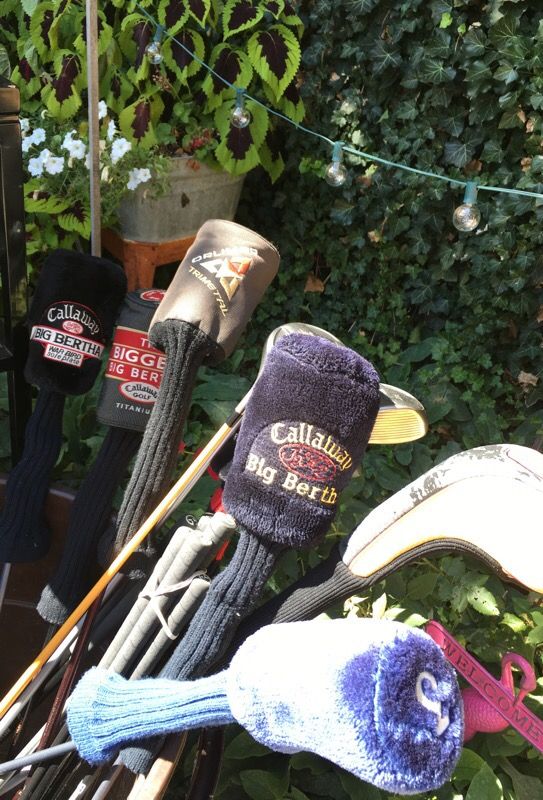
375,697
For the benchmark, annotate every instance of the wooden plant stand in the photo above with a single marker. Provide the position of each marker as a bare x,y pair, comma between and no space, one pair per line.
140,259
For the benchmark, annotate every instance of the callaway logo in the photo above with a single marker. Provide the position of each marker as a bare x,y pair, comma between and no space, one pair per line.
303,459
69,333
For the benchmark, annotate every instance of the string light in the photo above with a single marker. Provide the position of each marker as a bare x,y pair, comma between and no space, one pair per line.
468,210
241,116
153,51
336,174
467,216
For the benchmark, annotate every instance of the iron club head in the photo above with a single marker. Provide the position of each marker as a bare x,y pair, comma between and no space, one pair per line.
401,417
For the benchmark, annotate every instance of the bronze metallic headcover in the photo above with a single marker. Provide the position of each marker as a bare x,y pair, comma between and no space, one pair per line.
229,265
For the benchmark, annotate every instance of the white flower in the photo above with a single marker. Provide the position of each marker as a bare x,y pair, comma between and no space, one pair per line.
75,147
68,139
102,109
104,175
119,148
25,125
38,135
35,167
54,164
144,175
102,145
111,130
137,176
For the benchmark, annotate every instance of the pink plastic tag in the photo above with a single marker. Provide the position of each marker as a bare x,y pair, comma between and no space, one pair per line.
510,707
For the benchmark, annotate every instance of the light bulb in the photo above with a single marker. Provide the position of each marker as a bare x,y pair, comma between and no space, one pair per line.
153,51
240,117
466,217
335,174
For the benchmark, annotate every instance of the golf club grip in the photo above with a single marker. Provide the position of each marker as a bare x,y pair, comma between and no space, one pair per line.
319,588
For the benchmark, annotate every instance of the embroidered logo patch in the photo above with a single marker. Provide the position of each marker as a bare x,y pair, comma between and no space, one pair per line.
301,460
69,333
307,462
136,364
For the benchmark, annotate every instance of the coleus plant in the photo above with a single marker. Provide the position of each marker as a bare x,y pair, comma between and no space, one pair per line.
253,44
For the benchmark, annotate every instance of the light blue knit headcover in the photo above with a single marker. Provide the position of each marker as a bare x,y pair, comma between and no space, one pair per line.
375,697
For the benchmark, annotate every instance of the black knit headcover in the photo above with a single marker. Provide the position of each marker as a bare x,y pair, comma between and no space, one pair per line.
129,389
70,320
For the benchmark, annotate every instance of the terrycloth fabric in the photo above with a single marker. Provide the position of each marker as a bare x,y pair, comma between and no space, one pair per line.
71,318
375,697
305,429
288,469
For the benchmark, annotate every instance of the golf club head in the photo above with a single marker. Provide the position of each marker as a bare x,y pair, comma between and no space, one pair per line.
401,417
485,502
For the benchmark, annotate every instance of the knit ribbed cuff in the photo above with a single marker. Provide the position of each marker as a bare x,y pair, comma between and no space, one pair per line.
232,595
107,710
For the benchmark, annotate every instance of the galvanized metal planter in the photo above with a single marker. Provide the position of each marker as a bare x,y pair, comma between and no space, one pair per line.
197,193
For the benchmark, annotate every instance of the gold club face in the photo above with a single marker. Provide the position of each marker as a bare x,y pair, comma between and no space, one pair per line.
401,417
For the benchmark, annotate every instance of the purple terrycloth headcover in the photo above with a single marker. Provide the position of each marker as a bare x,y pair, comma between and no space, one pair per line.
305,429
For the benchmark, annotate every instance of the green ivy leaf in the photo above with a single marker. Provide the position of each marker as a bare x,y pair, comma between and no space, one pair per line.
433,70
536,635
275,55
244,746
526,787
483,601
458,153
240,15
485,786
506,73
503,35
265,784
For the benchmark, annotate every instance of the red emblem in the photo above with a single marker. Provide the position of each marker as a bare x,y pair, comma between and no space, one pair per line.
307,462
72,327
152,295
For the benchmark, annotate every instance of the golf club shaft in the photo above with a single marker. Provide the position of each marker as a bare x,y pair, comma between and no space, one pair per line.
161,512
